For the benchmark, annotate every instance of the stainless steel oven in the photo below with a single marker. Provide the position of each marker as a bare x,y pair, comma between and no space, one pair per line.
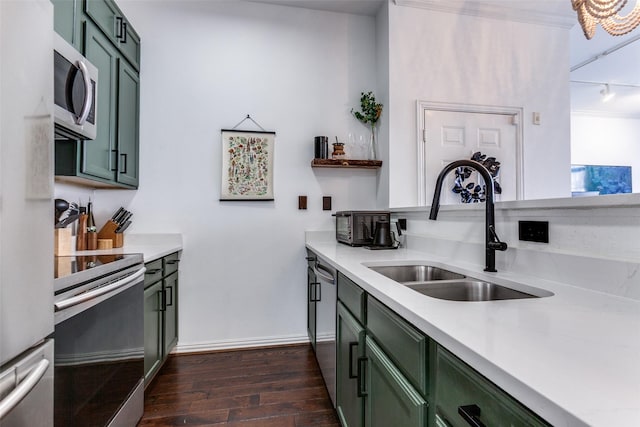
99,340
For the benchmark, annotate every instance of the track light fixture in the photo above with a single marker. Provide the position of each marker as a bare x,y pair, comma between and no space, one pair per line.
606,93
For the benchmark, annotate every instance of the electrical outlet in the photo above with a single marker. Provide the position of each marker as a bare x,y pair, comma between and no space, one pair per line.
533,231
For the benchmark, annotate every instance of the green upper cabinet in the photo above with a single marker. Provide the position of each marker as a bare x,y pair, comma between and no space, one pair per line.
66,22
108,17
97,155
128,124
111,160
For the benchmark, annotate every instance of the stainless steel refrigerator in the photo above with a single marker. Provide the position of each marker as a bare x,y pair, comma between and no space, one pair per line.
26,213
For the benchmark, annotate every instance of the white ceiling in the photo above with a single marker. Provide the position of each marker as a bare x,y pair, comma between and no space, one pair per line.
619,67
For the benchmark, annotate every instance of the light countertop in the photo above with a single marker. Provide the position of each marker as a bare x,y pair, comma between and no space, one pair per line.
572,358
151,246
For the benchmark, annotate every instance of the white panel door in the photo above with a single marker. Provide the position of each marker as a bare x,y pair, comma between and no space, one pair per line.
456,135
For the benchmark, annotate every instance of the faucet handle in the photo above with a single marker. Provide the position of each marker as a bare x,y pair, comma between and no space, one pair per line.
495,242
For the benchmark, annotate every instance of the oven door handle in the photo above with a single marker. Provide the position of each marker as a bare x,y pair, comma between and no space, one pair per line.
79,299
24,388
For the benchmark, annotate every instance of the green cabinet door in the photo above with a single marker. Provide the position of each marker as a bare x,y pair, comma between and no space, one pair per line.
170,312
66,18
98,156
152,330
349,348
128,123
391,400
312,288
110,19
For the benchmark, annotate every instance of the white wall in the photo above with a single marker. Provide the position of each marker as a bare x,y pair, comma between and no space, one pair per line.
205,66
606,141
444,57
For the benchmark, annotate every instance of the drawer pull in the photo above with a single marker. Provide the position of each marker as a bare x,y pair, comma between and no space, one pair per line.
153,271
173,261
470,414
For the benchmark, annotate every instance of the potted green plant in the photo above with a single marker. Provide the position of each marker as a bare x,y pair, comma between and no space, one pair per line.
369,115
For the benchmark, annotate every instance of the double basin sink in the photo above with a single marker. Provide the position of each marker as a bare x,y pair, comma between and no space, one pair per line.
444,284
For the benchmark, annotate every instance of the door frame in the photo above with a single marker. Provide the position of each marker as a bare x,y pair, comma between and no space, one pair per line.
421,138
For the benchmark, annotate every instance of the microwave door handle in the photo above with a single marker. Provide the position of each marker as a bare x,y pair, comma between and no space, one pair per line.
88,99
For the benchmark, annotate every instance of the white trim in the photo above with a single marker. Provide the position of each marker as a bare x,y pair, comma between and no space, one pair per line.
240,343
516,112
502,10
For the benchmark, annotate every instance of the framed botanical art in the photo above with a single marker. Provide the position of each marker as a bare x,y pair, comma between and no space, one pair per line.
247,165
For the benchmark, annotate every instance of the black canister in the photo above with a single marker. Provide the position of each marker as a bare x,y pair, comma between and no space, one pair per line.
321,147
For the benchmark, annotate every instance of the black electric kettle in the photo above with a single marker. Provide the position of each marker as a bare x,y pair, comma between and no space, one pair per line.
382,235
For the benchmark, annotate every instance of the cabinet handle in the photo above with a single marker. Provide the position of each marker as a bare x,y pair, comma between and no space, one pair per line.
318,293
314,291
351,345
154,271
310,258
123,156
360,374
170,294
469,413
173,261
124,33
119,22
163,300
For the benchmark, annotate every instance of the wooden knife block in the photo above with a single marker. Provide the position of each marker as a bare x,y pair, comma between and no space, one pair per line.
108,231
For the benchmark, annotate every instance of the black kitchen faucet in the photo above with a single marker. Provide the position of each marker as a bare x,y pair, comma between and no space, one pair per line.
492,242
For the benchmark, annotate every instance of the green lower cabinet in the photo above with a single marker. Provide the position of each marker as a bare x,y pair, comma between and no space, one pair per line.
170,290
152,329
350,344
390,400
463,398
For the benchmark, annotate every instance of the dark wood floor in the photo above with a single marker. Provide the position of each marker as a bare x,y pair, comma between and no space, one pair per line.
267,387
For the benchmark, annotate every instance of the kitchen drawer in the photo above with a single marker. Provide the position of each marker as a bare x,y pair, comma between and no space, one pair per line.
459,386
353,297
170,263
153,273
402,342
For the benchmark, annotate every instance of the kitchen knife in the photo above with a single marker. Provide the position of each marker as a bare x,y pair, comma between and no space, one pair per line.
119,218
118,212
123,227
125,217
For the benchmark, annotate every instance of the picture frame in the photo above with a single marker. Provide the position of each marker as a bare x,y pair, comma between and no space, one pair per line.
247,165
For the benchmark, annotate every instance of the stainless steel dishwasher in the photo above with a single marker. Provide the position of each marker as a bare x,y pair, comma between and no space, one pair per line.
322,302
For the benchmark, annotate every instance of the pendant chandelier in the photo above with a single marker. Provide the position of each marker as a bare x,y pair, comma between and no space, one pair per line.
605,13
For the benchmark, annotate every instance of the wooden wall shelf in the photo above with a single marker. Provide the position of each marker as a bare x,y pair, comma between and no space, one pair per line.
346,163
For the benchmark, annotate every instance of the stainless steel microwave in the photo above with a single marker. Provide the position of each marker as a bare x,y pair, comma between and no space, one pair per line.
356,228
75,92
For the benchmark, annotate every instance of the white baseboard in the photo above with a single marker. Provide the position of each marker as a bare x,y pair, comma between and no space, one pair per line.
241,343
